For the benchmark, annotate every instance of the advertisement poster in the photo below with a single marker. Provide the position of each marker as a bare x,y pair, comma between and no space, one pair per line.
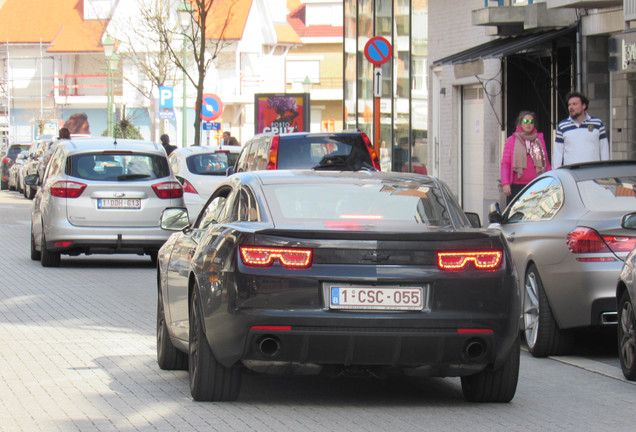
281,113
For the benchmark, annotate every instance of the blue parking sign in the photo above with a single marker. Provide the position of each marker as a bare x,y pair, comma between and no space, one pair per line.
166,99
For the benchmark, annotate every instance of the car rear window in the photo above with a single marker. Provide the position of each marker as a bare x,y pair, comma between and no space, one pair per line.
117,167
307,152
209,163
16,149
609,194
353,206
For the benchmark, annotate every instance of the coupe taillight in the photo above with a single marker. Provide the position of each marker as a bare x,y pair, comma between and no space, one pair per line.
67,189
168,190
372,153
262,256
583,240
272,162
459,260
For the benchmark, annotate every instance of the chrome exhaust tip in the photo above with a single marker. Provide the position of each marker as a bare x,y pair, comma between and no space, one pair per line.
609,318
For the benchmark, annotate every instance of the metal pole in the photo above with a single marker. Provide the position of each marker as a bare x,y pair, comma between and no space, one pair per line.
184,112
109,85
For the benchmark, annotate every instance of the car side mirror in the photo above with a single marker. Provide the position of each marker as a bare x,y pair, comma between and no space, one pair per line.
229,171
474,219
174,219
494,213
629,221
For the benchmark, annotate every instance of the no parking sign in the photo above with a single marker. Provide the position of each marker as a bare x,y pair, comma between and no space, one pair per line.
211,107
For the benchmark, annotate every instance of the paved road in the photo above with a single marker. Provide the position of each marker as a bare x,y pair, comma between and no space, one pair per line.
77,352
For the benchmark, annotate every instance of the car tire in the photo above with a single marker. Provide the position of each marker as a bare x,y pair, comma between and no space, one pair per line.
30,192
153,257
3,185
499,385
541,331
48,258
168,357
209,380
35,254
627,336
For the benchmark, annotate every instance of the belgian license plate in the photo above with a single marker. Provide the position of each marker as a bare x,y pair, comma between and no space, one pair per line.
376,298
118,203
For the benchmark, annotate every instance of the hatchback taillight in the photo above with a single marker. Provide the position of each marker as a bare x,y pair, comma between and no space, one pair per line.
262,256
67,189
372,153
462,260
272,162
188,187
587,240
168,190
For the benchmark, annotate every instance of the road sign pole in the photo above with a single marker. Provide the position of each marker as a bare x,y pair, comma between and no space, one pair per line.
378,51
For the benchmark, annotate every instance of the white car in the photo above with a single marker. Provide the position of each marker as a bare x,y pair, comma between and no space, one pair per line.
200,169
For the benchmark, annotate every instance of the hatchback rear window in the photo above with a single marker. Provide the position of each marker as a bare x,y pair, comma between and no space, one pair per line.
208,163
358,205
307,152
117,167
16,149
609,194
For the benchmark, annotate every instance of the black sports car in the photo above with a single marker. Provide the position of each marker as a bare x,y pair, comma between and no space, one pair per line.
346,272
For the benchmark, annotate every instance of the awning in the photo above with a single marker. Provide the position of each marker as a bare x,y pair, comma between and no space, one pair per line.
503,47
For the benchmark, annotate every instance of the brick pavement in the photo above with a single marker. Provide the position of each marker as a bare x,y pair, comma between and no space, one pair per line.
77,353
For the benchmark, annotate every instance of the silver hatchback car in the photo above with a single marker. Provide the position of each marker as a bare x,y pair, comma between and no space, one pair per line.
101,196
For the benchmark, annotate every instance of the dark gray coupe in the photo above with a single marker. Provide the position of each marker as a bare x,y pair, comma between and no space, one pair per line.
340,272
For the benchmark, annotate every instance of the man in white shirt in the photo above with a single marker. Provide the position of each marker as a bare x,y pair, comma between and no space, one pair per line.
580,137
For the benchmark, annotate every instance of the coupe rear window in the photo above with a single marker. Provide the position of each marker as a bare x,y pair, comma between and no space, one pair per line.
609,194
358,206
16,149
117,167
209,163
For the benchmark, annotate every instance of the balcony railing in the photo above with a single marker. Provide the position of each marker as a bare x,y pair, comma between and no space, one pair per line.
84,84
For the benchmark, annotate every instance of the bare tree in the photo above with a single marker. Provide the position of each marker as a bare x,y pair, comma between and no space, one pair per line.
204,50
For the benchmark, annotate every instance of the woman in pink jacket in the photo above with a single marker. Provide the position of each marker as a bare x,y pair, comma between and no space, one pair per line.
524,156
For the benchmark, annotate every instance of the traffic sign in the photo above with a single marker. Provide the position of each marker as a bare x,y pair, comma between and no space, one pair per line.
166,114
211,107
378,50
213,126
166,98
377,82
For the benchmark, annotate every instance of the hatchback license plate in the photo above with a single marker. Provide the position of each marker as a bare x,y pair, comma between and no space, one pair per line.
377,298
118,203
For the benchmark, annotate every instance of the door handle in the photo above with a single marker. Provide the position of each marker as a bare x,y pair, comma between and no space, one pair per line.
510,237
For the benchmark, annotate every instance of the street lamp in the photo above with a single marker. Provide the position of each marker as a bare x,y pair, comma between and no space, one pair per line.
185,19
307,84
111,63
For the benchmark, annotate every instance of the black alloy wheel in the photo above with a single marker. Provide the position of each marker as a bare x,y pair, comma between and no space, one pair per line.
627,336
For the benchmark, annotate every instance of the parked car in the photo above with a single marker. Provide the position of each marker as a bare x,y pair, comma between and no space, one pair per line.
14,171
626,294
7,160
200,169
336,271
102,196
39,154
565,233
349,151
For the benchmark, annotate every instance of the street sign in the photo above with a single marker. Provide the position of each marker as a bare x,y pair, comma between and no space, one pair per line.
166,98
377,82
378,50
166,114
211,107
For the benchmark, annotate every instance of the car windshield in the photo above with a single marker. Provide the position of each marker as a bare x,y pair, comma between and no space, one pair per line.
609,194
117,167
360,206
208,163
16,149
308,152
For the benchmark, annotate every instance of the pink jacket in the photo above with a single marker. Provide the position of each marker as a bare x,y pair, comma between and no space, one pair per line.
508,157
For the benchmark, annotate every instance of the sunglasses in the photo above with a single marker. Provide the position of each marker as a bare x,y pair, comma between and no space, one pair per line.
526,121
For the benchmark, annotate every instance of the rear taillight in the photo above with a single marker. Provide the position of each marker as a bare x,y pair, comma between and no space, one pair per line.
583,240
168,190
67,189
458,260
188,187
262,256
6,160
372,153
272,162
